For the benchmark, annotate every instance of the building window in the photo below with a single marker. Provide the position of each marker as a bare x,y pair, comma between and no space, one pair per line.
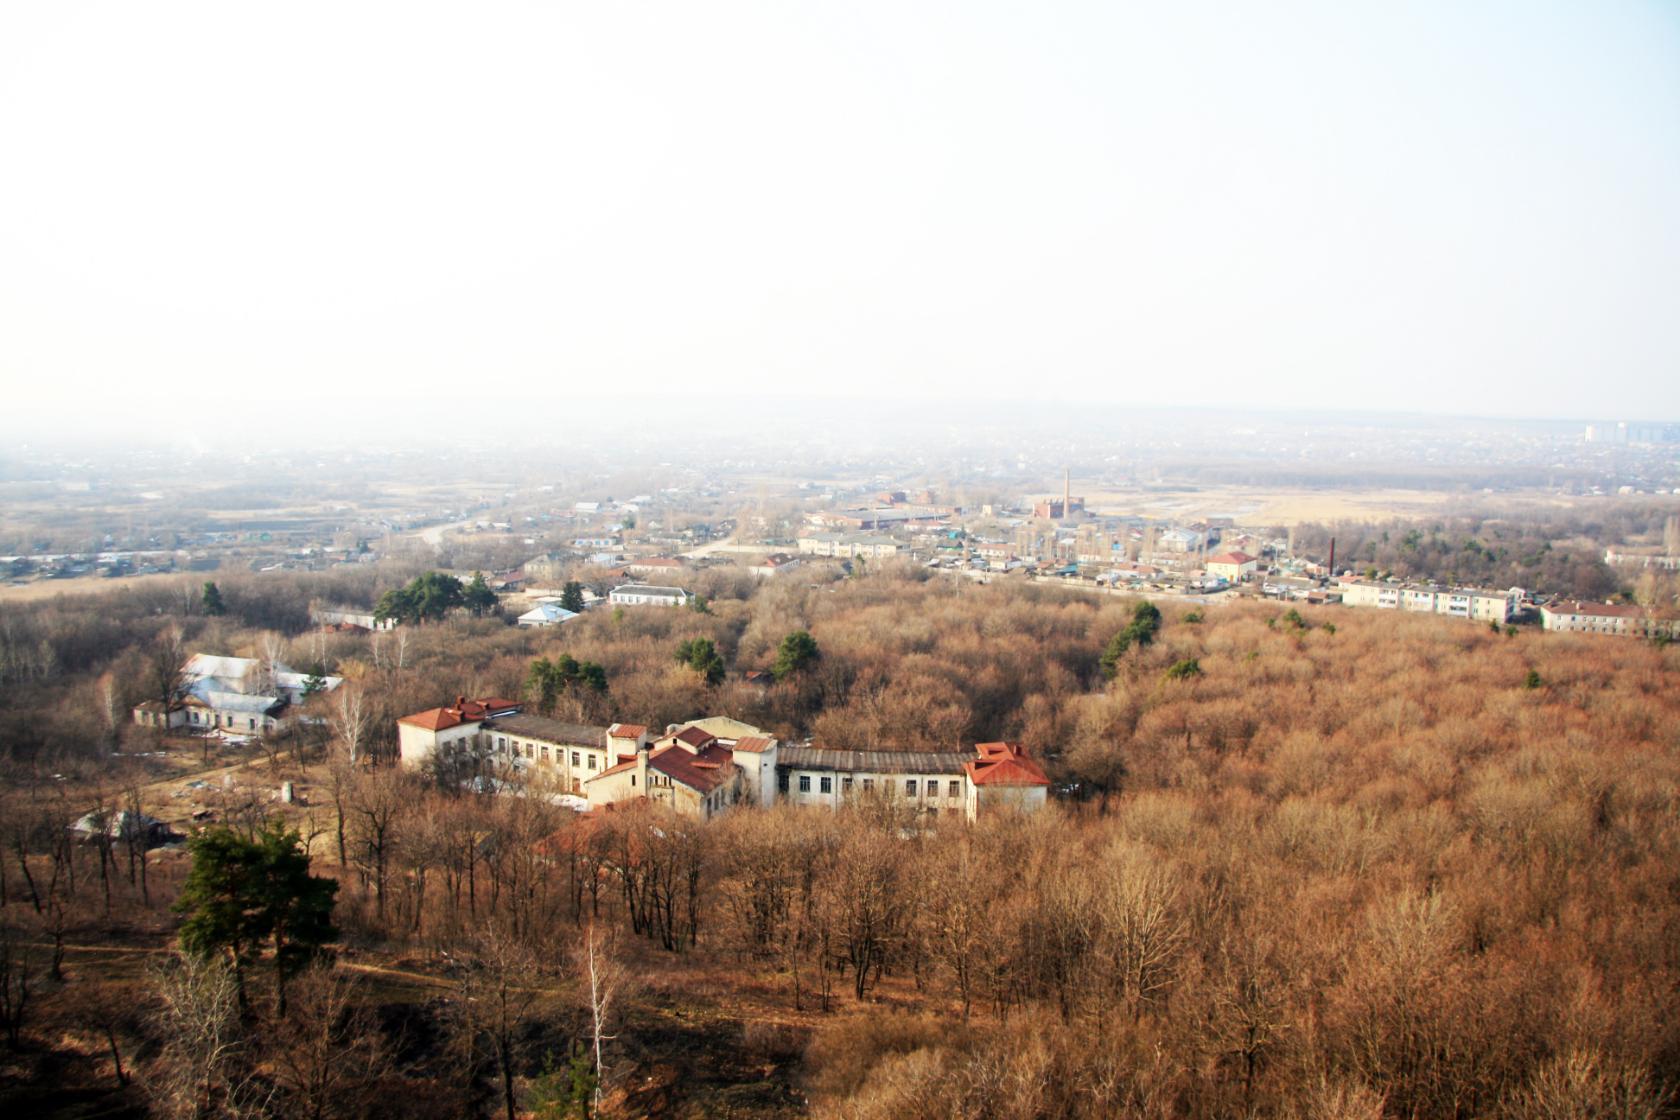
574,758
592,762
781,781
501,744
545,752
804,783
909,787
956,789
846,784
632,779
827,784
868,784
253,723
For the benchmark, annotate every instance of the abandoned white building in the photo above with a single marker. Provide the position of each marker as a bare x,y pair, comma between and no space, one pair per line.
358,617
707,766
567,753
237,695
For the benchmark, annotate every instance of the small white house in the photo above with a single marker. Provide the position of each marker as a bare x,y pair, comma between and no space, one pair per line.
547,613
773,565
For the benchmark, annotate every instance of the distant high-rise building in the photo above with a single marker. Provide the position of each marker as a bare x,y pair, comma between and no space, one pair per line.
1624,432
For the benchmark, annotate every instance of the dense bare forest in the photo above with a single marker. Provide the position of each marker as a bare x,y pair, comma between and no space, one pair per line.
1322,863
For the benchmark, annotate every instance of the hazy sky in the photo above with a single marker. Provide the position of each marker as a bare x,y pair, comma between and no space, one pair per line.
1458,206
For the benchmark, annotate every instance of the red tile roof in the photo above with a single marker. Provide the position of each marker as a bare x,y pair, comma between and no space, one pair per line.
462,711
434,719
702,772
1003,764
755,744
627,730
695,737
1232,558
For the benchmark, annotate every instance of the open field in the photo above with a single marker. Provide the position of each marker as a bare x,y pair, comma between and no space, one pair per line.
1267,506
41,589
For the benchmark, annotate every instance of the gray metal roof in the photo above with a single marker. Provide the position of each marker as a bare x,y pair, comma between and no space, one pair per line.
550,730
878,762
240,702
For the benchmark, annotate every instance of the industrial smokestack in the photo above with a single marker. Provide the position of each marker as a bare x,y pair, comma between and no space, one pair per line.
1332,557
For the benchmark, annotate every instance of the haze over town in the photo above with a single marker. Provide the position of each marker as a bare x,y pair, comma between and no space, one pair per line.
389,210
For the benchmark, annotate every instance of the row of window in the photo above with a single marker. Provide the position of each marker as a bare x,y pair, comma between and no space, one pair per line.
825,784
529,750
211,720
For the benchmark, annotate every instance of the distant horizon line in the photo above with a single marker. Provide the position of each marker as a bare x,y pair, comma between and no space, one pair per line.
29,420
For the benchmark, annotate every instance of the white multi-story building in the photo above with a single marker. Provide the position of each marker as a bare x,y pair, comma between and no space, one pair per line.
1457,602
1625,620
849,546
495,730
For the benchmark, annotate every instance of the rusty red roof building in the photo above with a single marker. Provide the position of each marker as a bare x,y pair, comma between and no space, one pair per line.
694,738
462,711
1003,764
702,772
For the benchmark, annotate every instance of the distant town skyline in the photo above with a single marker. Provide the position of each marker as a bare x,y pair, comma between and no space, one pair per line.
1440,209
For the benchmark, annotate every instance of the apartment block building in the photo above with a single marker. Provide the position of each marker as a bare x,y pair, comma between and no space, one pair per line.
1622,620
1457,602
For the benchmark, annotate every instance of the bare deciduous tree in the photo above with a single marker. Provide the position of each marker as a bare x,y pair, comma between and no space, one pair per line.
605,989
327,1051
206,1069
350,722
497,995
18,976
377,802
